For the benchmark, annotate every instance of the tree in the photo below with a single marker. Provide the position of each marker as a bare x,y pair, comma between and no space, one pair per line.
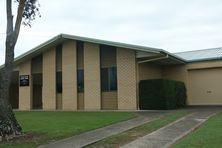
26,12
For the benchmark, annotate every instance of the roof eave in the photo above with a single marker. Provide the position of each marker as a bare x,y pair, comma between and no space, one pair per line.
61,37
124,45
35,50
205,59
112,43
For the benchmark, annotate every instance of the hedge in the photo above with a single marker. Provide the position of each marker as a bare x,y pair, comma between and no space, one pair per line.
161,94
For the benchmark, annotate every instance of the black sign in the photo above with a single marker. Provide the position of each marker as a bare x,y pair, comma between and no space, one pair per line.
24,80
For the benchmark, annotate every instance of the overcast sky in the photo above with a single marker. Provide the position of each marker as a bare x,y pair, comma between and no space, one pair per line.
173,25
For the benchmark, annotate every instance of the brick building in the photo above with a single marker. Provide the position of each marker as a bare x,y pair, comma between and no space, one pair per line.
76,73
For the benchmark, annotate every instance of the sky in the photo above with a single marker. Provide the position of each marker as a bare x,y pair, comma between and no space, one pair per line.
172,25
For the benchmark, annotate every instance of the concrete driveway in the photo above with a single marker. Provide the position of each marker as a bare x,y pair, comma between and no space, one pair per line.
168,135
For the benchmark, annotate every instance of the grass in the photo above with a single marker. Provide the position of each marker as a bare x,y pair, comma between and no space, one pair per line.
128,136
209,135
51,126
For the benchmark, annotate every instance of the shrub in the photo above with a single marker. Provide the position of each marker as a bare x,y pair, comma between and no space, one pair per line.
161,94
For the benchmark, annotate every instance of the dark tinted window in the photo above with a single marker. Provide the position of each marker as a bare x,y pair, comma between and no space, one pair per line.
113,78
80,80
104,79
59,82
109,79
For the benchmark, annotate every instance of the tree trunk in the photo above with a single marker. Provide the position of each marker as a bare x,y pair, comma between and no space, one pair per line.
8,123
9,126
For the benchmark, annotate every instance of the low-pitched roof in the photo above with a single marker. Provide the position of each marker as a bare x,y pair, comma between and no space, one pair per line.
201,55
63,37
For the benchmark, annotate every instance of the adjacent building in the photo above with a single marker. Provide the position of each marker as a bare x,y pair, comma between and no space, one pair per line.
76,73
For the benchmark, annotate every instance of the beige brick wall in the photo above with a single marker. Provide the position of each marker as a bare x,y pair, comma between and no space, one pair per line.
69,76
126,79
49,80
178,73
109,100
25,92
92,90
205,64
149,71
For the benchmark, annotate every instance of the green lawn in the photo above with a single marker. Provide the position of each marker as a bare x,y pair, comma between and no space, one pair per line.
55,125
130,135
209,135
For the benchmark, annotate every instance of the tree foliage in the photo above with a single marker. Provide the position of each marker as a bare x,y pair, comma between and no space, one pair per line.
31,10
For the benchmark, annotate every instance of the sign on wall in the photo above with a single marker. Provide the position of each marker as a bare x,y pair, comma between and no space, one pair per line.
24,80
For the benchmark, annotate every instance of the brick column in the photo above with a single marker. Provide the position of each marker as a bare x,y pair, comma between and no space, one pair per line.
69,76
25,92
92,91
126,79
49,80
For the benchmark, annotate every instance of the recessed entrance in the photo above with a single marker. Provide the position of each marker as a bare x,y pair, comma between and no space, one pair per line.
37,82
37,91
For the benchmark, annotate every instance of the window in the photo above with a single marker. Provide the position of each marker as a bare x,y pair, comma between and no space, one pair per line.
59,82
80,80
113,78
109,79
104,79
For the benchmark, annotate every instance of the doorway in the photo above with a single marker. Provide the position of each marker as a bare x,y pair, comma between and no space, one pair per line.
37,91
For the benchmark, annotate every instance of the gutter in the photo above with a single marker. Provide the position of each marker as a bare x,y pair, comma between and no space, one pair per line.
155,59
181,60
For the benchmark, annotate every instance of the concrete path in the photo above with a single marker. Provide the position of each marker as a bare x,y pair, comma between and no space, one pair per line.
99,134
168,135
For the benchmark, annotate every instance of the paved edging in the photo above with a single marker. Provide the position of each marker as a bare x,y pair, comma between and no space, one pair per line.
169,134
93,136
